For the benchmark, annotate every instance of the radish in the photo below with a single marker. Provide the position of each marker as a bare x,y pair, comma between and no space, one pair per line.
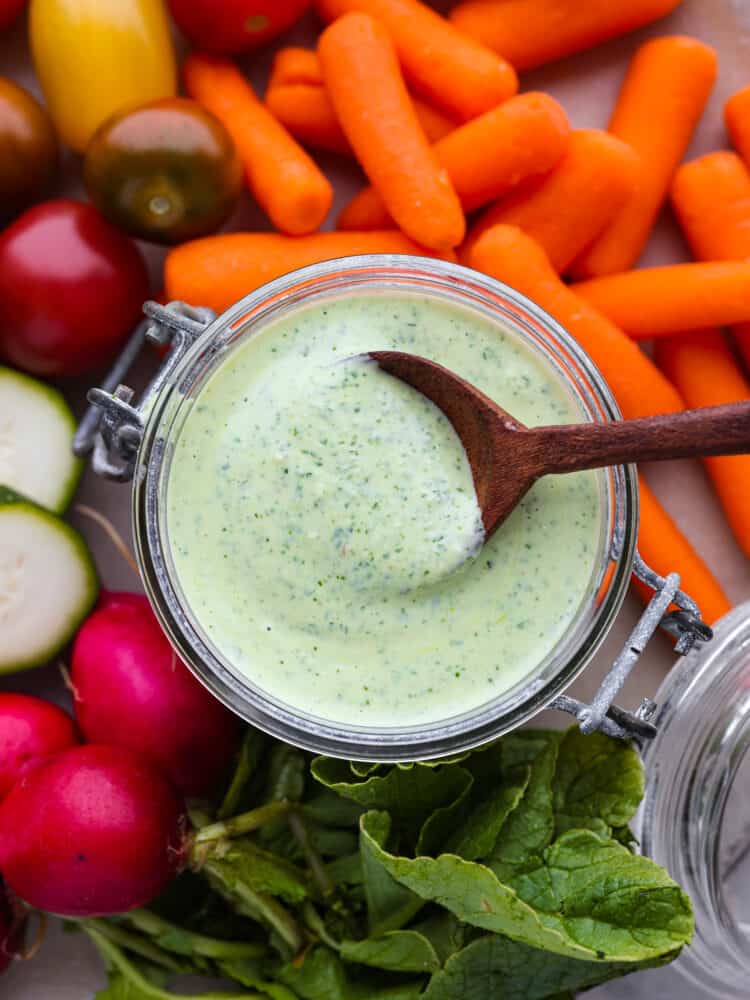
36,437
47,583
93,830
30,729
131,690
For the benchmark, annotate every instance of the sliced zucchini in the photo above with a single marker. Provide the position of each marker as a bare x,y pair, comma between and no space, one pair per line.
36,436
48,583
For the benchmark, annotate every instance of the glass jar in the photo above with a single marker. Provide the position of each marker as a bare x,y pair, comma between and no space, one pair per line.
695,816
170,403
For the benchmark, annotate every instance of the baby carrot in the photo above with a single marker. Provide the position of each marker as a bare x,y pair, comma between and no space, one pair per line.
565,210
704,370
368,93
508,254
656,301
305,110
294,64
667,550
711,198
530,33
661,100
451,71
737,118
287,184
524,137
219,270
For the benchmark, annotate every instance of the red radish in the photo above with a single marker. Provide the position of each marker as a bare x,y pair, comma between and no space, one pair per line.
131,690
92,831
30,729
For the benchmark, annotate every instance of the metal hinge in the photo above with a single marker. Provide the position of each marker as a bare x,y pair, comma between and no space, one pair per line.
112,428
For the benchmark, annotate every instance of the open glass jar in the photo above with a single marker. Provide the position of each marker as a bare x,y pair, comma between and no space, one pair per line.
695,817
142,443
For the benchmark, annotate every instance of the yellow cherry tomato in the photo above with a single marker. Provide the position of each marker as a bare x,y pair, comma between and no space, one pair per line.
95,57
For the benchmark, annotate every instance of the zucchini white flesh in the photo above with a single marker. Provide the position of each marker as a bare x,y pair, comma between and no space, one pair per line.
36,434
48,583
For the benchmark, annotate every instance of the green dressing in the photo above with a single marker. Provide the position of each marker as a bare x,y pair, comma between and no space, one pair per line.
324,529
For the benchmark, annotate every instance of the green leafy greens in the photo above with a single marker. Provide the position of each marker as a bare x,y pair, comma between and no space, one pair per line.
504,874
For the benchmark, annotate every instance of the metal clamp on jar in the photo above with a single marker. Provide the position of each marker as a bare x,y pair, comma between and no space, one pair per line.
137,441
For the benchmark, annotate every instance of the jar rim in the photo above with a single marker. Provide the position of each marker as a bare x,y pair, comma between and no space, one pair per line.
431,740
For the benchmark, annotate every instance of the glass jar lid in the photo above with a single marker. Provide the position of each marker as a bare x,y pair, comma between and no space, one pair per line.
695,816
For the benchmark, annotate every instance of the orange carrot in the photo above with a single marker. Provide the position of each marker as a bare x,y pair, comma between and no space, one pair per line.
372,104
217,271
506,253
661,100
451,71
305,110
737,118
287,184
711,198
486,157
530,33
566,210
667,550
293,64
656,301
704,370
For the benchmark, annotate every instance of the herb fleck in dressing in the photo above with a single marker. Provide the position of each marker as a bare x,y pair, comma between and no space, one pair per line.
324,527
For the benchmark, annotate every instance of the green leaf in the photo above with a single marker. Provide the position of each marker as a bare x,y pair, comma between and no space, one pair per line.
478,835
446,934
286,774
588,898
395,951
251,974
597,779
469,890
409,794
265,872
330,809
598,894
389,905
531,825
322,976
495,968
347,869
250,754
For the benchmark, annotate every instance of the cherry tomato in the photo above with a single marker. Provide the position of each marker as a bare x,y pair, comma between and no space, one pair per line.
28,149
166,172
71,289
230,26
9,11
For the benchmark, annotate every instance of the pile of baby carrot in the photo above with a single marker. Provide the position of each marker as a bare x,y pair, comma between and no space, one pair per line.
462,166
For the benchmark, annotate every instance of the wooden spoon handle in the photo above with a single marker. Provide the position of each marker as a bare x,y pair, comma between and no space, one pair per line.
713,430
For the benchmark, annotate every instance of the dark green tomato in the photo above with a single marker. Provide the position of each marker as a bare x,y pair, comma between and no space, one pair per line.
166,172
28,149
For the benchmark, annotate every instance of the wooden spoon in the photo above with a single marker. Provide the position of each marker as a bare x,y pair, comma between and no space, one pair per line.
507,458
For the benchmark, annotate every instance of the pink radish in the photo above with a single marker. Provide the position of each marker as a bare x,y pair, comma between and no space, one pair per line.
30,729
131,690
93,830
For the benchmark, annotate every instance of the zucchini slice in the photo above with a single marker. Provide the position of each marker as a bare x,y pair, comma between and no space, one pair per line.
48,583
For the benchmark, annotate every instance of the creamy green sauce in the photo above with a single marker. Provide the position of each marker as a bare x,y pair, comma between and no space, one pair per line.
324,529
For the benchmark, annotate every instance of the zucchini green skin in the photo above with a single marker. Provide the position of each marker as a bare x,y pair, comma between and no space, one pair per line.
9,499
57,402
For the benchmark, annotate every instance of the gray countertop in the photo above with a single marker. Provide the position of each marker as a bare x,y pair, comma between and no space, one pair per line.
67,968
